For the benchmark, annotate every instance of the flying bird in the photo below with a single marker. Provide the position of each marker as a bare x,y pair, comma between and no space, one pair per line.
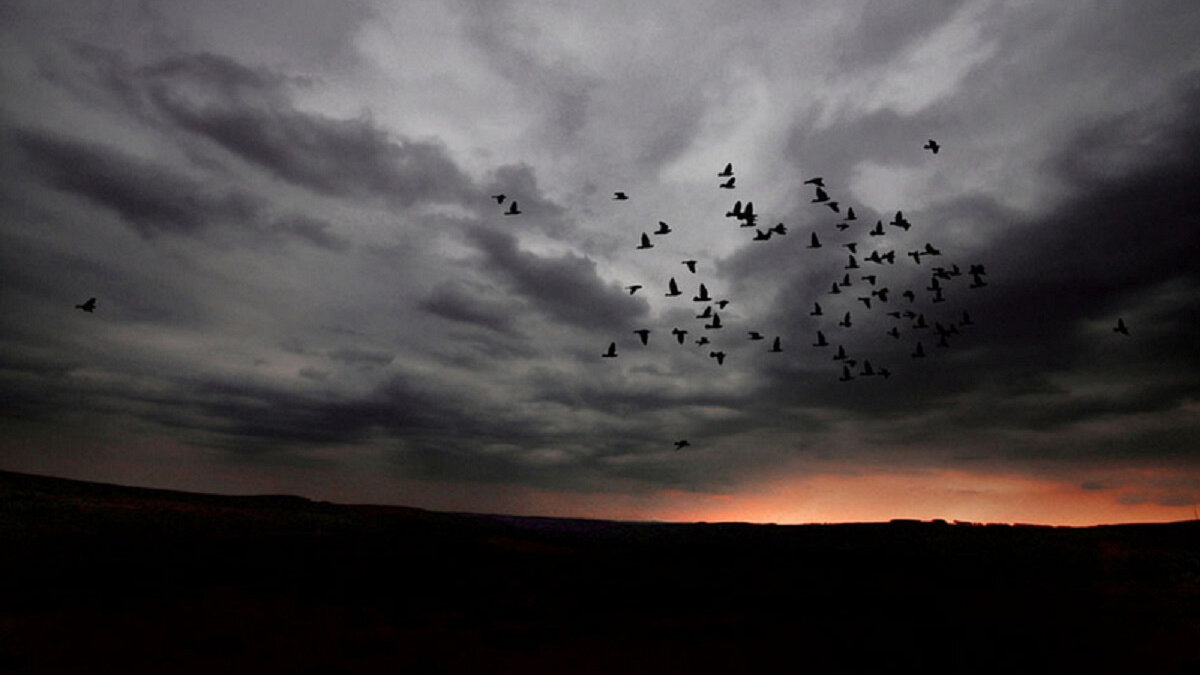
932,146
736,212
703,340
678,333
727,172
901,222
818,181
833,206
820,197
703,297
88,306
691,265
759,235
721,304
775,348
644,334
845,322
920,353
633,289
513,210
966,320
1120,327
499,198
715,322
612,351
679,445
719,356
814,242
816,309
672,288
779,229
878,230
728,185
706,314
645,242
841,354
755,335
846,376
821,341
620,196
850,214
663,228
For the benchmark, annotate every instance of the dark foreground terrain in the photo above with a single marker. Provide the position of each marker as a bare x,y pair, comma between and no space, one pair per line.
98,578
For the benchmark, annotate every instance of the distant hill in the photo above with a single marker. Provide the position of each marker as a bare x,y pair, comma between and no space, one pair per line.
98,578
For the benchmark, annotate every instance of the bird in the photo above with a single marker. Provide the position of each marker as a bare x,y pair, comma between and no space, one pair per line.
818,181
912,297
966,319
644,334
920,322
88,306
645,242
894,332
901,222
663,228
721,304
728,185
850,214
620,196
703,340
703,297
833,206
846,376
715,322
513,210
633,289
719,356
881,293
755,335
706,314
779,229
727,172
612,351
852,264
821,196
678,333
878,231
775,348
691,265
932,146
916,255
1120,327
920,352
845,282
499,198
736,211
835,290
672,288
930,250
870,279
977,281
821,341
814,242
867,370
816,309
679,445
759,235
853,246
845,322
841,354
866,300
885,373
842,226
748,215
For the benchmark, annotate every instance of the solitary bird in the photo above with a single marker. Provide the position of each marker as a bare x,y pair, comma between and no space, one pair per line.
645,242
612,351
678,333
663,228
499,198
679,445
1120,327
719,356
691,265
620,196
88,306
512,210
672,288
775,348
727,172
644,334
932,146
634,288
728,185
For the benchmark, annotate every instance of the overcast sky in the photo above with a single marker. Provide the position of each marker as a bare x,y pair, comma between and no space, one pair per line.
303,284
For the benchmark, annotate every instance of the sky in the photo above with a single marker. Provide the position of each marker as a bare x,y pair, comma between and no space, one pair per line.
304,285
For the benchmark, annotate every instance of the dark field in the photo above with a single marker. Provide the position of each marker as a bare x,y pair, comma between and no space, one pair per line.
98,578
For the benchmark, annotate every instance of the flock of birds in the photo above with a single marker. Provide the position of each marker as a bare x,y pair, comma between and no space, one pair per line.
861,281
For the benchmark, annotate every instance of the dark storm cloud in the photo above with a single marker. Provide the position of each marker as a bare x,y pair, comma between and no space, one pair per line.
565,288
461,302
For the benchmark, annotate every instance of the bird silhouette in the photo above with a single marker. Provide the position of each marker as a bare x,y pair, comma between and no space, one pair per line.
679,445
678,333
715,322
916,255
816,309
759,235
702,341
852,246
663,228
672,288
932,146
719,356
513,210
644,334
841,354
645,242
728,185
703,296
881,293
779,229
721,304
88,305
821,196
1120,327
966,319
930,250
612,351
775,348
833,206
755,335
977,281
818,181
920,352
706,314
866,300
634,288
736,211
867,370
691,265
842,226
912,297
846,376
845,322
620,196
845,282
835,290
852,264
814,242
885,373
499,198
894,332
821,341
727,172
850,214
901,222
